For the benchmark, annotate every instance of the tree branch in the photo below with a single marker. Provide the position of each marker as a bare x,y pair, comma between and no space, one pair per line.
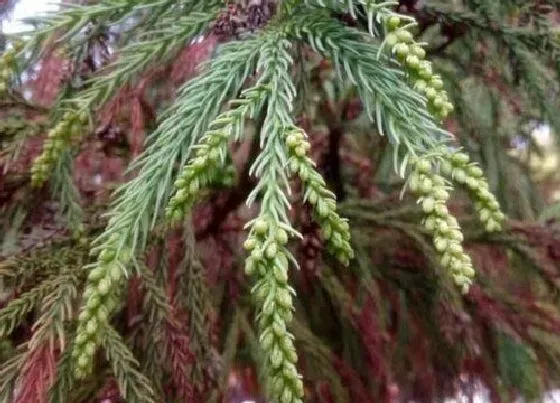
239,194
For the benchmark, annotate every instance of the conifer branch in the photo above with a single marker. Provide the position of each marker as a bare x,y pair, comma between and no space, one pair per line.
133,385
192,300
397,111
171,33
168,337
388,79
152,335
269,232
155,300
64,380
456,165
9,372
55,146
211,152
13,313
181,360
9,66
519,43
62,184
197,305
411,56
348,57
444,228
138,202
38,263
335,230
182,126
57,311
37,373
73,18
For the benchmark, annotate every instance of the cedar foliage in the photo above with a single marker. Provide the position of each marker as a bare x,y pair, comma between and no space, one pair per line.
357,270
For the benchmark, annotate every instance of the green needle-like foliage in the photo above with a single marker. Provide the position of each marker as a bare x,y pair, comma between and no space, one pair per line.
397,111
135,211
171,34
269,232
153,297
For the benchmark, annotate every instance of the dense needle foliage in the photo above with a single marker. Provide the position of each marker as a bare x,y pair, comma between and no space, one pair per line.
288,192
